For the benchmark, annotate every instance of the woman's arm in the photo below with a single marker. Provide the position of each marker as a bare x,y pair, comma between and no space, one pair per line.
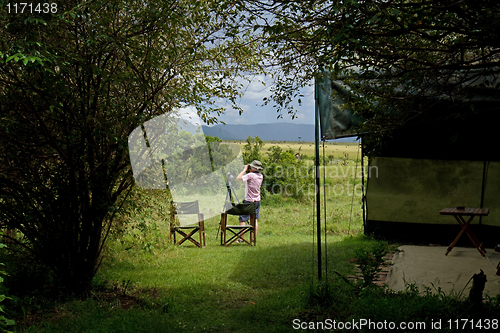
240,176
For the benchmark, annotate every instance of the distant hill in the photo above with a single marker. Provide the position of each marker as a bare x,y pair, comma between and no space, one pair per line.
266,132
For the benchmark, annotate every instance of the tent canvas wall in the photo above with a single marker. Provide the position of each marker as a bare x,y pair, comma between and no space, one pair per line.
447,157
430,165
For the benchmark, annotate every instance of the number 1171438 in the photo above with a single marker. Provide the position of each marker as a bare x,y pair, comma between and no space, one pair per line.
31,8
479,324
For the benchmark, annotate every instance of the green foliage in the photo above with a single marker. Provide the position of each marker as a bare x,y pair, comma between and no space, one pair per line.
287,175
370,261
284,172
320,295
434,48
5,321
221,154
74,84
144,221
251,150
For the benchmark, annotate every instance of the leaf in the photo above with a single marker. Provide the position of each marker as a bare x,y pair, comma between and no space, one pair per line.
8,322
12,57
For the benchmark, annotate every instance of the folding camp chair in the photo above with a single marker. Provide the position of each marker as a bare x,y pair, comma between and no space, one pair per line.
187,232
238,231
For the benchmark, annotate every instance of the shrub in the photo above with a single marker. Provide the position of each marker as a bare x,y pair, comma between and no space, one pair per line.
251,151
4,321
286,175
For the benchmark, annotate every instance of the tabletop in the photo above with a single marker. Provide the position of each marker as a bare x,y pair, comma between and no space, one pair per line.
464,211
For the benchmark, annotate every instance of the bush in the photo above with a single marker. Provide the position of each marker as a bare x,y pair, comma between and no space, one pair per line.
287,175
251,151
4,321
370,261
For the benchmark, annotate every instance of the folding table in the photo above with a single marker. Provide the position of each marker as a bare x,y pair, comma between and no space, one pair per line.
459,213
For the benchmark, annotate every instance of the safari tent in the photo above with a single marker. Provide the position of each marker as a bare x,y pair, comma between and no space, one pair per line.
448,157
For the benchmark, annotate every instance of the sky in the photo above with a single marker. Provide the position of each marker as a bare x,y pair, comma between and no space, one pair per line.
254,113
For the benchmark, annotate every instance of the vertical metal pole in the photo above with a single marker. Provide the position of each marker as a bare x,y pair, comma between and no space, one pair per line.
483,189
363,203
318,198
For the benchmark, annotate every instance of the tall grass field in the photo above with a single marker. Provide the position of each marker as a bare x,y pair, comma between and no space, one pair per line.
145,284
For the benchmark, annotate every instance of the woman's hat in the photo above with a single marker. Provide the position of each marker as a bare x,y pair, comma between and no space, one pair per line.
256,165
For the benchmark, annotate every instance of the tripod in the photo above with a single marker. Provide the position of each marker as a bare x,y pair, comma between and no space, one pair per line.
229,197
230,192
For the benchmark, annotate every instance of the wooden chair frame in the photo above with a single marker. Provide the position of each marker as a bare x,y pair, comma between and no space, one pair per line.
187,232
237,231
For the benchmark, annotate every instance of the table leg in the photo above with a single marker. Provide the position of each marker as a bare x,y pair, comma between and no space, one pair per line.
477,243
465,228
452,245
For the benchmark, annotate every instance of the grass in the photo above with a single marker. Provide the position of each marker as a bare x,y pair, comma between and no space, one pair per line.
147,285
218,289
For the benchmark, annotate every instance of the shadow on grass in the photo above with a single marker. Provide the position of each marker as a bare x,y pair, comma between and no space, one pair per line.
283,266
233,289
246,289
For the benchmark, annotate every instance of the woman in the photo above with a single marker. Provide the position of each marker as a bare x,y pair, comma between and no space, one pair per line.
253,180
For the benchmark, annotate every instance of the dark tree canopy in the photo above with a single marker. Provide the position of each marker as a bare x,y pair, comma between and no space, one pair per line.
389,52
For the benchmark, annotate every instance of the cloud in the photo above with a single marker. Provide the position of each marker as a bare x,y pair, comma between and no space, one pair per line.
254,112
190,114
256,90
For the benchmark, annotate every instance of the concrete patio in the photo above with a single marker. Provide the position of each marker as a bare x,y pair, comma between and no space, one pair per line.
428,266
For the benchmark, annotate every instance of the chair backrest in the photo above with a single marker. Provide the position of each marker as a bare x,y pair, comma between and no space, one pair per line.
191,207
240,209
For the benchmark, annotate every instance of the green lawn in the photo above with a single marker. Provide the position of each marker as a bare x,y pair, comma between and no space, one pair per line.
146,284
221,289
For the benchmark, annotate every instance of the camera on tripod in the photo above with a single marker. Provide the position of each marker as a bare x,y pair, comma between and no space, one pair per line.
230,179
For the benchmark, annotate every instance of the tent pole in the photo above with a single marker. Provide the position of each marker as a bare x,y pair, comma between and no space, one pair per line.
318,196
483,189
363,183
324,210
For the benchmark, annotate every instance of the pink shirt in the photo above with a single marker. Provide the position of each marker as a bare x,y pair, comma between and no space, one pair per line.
252,180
